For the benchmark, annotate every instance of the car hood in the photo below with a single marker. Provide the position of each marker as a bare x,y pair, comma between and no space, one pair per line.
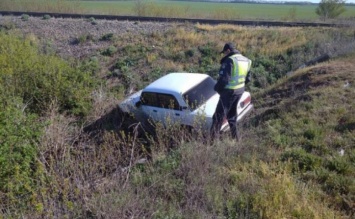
209,107
128,105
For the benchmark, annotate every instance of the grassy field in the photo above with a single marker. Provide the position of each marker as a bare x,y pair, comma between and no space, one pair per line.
183,9
216,10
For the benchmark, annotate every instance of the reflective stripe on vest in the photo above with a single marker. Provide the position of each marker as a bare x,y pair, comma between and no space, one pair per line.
241,66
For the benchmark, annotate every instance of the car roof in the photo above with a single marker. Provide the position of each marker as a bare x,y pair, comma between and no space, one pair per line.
176,82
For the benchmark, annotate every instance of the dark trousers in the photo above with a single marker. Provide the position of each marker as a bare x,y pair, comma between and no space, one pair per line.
226,108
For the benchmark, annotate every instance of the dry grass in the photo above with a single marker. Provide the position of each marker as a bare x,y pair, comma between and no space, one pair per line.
58,6
266,41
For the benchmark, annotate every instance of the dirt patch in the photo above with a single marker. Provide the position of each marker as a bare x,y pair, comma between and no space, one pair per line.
60,33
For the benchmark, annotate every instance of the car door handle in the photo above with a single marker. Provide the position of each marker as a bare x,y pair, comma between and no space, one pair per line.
155,111
177,114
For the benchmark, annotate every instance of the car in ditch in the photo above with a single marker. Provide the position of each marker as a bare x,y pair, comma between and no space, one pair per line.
186,99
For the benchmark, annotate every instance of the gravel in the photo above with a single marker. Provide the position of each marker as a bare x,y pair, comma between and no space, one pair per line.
62,33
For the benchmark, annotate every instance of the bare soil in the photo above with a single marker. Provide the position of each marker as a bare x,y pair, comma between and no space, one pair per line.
61,34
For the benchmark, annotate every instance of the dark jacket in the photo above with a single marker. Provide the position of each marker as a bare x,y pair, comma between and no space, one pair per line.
225,73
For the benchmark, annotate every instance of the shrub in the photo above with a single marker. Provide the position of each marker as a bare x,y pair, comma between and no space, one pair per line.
190,53
302,160
330,8
41,79
92,20
46,17
207,50
83,39
141,8
124,64
25,17
109,51
20,134
91,65
179,57
338,165
107,37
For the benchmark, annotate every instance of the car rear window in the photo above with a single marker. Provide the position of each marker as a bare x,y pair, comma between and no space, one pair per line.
199,94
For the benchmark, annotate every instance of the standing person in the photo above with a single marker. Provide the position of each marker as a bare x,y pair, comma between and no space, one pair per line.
234,73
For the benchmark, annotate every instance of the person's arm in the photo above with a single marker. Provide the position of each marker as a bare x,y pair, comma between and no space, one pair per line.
248,77
224,75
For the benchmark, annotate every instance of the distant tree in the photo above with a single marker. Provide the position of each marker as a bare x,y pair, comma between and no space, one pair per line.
330,8
141,7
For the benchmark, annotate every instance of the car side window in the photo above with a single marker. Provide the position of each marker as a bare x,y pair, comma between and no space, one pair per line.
149,99
160,100
168,101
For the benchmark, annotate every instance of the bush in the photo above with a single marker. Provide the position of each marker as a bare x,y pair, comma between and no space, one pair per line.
302,160
46,17
107,37
83,39
109,51
190,53
92,20
41,79
20,134
330,8
91,65
25,17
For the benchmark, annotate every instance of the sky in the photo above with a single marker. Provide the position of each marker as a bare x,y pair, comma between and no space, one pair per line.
316,1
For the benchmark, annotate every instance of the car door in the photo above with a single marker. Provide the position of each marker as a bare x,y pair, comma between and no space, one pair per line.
161,107
171,112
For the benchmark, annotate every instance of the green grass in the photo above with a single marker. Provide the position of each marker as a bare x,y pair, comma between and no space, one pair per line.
179,9
108,7
211,9
311,123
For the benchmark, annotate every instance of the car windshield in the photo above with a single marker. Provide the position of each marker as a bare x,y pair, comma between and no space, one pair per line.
199,94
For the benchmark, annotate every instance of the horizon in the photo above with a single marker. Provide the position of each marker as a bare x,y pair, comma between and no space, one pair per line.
313,1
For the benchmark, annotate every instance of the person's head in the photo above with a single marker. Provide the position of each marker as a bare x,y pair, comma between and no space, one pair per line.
228,48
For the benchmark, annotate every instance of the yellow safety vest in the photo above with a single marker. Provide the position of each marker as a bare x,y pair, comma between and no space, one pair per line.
241,66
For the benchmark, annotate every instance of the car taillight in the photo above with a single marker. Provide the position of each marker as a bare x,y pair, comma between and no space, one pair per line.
245,102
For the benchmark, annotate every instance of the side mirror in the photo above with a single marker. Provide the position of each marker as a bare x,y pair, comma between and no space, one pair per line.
138,104
183,108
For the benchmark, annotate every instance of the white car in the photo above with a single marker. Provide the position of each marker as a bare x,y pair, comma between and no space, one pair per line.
187,99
